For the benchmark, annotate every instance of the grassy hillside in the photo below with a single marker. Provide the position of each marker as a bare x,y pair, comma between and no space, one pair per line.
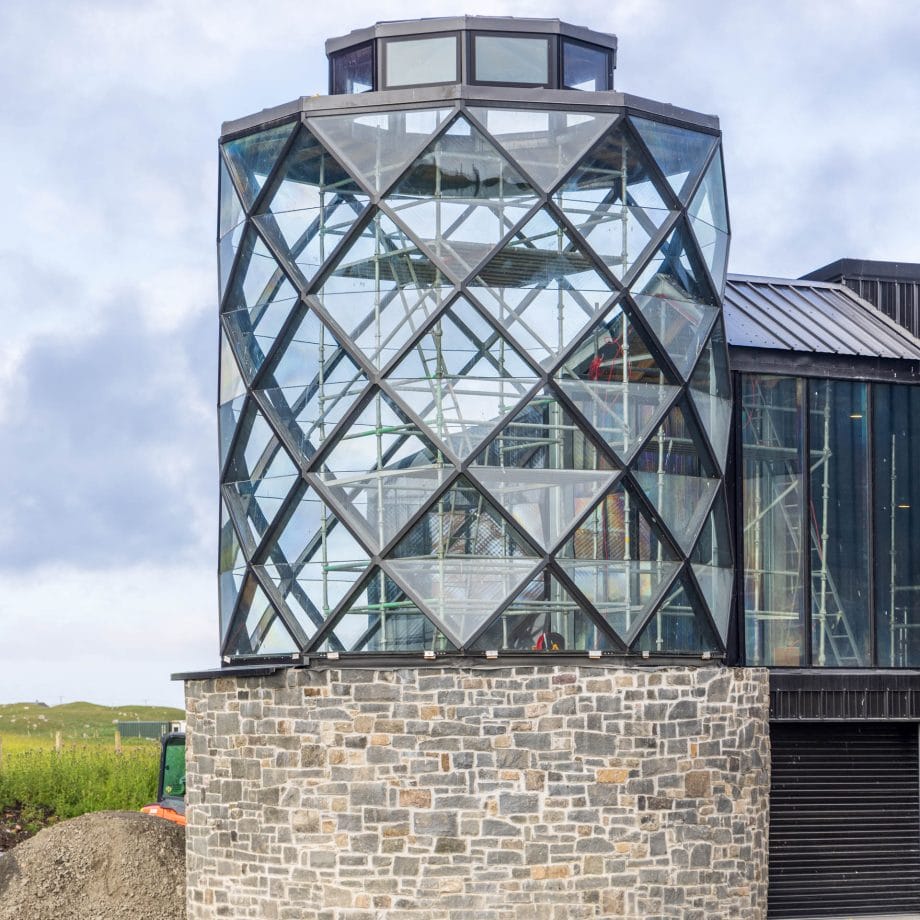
77,722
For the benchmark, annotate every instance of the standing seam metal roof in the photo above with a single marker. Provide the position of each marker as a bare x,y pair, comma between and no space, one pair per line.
811,317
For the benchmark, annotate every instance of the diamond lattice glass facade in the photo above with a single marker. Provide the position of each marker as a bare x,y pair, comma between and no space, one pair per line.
474,390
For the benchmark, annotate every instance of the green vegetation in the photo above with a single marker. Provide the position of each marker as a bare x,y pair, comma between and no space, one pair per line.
40,785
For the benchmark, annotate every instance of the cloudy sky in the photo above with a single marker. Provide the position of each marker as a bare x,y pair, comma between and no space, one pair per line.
109,118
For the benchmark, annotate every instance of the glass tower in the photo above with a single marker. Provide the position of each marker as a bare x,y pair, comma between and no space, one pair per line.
474,389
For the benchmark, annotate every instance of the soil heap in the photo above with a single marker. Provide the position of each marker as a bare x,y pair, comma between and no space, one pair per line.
111,865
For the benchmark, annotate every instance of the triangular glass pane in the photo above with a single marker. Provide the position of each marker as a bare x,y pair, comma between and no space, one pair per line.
680,326
617,560
231,569
378,146
710,390
713,546
462,593
709,203
314,205
382,619
260,475
462,522
382,471
228,417
612,199
314,384
382,290
678,627
231,212
544,143
258,278
675,272
716,585
314,563
227,248
543,618
261,631
542,288
231,381
543,469
252,157
675,475
461,378
679,152
616,384
461,196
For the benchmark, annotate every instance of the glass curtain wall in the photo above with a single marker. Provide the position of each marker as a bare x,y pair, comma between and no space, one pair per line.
832,577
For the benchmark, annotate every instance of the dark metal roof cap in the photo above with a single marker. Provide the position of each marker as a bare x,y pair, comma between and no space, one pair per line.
865,269
470,23
811,317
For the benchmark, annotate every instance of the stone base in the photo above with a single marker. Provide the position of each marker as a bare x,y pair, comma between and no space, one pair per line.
472,794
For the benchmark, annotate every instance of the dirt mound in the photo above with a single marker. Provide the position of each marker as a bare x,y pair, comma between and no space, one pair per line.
112,865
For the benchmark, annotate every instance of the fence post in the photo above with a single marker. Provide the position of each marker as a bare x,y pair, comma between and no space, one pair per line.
58,745
1,751
117,741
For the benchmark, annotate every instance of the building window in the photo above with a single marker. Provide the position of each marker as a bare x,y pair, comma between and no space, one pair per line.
416,61
896,450
353,70
511,59
772,430
586,67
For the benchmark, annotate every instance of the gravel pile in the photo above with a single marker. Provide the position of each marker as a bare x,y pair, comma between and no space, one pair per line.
112,865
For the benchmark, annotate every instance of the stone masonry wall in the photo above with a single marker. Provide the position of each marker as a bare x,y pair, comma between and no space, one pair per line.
458,793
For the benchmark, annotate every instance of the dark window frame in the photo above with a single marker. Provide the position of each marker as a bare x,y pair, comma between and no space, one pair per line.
381,59
552,59
340,54
608,72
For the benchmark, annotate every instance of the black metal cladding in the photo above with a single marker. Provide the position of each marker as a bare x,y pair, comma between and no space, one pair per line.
474,384
844,813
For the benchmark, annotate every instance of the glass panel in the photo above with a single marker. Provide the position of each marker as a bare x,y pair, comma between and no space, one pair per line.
710,390
679,152
839,523
676,273
544,618
896,437
251,159
510,59
462,378
353,70
231,209
675,475
615,383
313,386
544,143
712,565
410,62
314,562
231,382
543,470
586,68
315,204
612,199
679,626
378,146
617,561
228,417
542,288
382,471
709,219
680,326
382,619
231,569
772,463
382,289
261,632
461,196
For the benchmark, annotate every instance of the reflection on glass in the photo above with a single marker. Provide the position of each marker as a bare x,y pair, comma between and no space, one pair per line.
896,449
585,67
511,59
353,70
410,62
261,630
678,626
772,427
839,523
679,152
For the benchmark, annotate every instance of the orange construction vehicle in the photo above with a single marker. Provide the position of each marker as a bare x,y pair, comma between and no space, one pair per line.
170,803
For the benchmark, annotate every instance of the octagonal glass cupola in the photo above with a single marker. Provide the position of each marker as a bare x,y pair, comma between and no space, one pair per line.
474,390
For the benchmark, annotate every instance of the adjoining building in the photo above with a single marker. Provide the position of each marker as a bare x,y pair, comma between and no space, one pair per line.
535,531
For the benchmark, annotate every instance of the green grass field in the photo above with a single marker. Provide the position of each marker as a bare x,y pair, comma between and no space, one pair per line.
42,785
